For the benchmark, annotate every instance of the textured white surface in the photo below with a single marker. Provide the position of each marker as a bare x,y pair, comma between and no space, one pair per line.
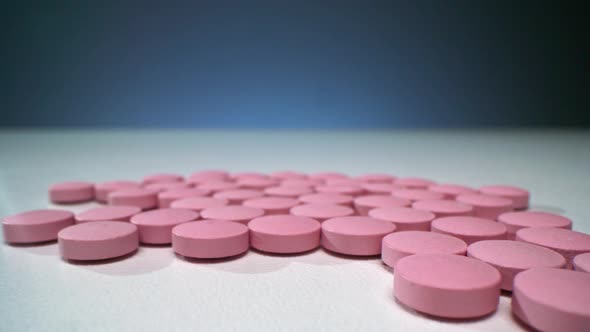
154,290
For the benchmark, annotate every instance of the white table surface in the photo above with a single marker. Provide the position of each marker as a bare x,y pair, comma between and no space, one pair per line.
156,291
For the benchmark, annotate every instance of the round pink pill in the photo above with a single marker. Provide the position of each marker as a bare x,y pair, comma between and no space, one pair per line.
209,239
155,227
451,191
528,219
238,196
352,190
566,242
448,286
322,212
164,186
398,245
582,262
513,257
167,197
217,186
98,240
249,175
355,235
198,203
376,178
71,192
256,183
105,188
414,182
342,182
35,226
486,206
326,198
288,191
301,182
381,188
552,300
405,219
142,198
323,176
162,178
284,234
417,194
363,204
519,196
469,229
444,208
108,213
208,176
241,214
272,205
288,175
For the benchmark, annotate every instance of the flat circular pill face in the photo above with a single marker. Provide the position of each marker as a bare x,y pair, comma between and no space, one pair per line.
417,194
238,196
35,226
98,240
552,299
513,257
208,239
164,186
288,191
486,206
566,242
217,186
284,234
449,286
301,182
105,188
198,203
322,212
376,178
256,183
143,198
272,205
365,203
355,235
108,213
162,178
71,192
155,227
352,190
519,196
469,229
327,198
167,197
381,188
414,182
342,182
398,245
207,176
241,214
581,262
405,219
451,190
444,208
527,219
288,175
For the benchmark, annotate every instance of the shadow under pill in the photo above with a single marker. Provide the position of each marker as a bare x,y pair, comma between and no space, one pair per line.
441,319
142,261
546,208
47,248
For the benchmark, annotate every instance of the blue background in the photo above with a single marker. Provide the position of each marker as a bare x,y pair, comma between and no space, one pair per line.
294,64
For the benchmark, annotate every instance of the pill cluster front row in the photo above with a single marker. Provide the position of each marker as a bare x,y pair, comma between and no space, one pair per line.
452,248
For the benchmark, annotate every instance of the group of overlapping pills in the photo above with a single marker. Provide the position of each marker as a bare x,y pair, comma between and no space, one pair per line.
452,248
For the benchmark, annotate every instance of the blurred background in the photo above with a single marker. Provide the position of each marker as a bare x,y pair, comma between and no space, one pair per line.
294,64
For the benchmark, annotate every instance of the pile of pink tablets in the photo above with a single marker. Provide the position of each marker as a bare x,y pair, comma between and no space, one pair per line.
452,248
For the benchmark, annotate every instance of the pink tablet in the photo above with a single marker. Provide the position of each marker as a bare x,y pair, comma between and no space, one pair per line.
207,176
405,219
288,175
105,188
417,194
284,234
198,203
162,178
528,219
155,227
327,175
448,286
363,204
486,206
451,191
166,198
142,198
444,208
326,198
256,183
108,213
322,212
566,242
217,186
342,182
398,245
355,235
236,213
582,262
381,188
552,299
165,186
513,257
302,182
288,191
376,178
414,182
519,196
98,240
238,196
272,205
35,226
469,229
248,175
352,190
209,239
71,192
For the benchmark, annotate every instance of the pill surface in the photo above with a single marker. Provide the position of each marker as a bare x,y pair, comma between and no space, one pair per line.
321,212
513,257
398,245
284,234
164,186
355,235
414,182
166,198
352,190
248,175
581,262
326,198
327,175
155,227
363,204
527,219
417,194
207,176
552,300
241,214
272,205
108,213
302,182
444,208
102,190
98,240
256,183
288,191
405,219
71,192
519,196
381,188
469,229
451,191
217,186
162,178
208,239
376,178
198,203
449,286
35,226
238,196
142,198
566,242
486,206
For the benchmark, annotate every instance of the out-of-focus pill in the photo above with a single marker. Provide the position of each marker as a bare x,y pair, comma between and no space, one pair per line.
323,176
236,213
35,226
248,175
162,178
165,186
284,234
327,198
302,182
519,196
288,175
108,213
238,196
352,190
256,183
166,198
528,219
105,188
451,191
381,188
272,205
198,203
405,219
566,242
342,182
444,208
449,286
417,194
210,239
207,176
142,198
469,229
376,178
398,245
98,240
581,262
321,212
513,257
355,235
414,182
363,204
217,186
552,300
486,206
288,191
155,227
71,192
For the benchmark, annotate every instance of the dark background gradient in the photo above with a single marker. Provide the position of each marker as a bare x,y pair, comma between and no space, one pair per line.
294,64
